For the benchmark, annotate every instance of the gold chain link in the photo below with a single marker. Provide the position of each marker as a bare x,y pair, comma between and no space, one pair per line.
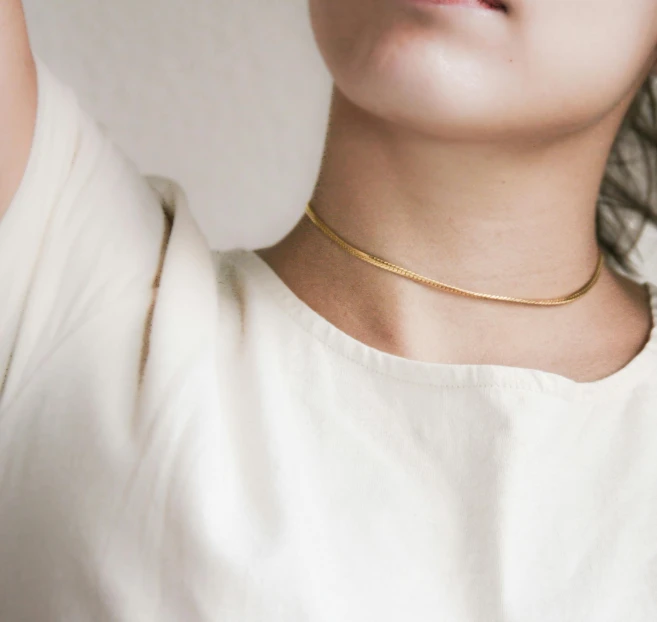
386,265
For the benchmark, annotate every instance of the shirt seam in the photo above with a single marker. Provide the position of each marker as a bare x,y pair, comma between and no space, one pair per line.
580,394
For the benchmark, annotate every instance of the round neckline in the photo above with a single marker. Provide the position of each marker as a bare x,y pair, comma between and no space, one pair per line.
446,375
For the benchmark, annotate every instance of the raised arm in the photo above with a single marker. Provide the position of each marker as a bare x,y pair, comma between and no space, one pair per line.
17,99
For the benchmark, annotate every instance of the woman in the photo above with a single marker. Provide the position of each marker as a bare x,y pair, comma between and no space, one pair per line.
302,432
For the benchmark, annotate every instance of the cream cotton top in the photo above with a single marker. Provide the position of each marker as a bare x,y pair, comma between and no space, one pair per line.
183,439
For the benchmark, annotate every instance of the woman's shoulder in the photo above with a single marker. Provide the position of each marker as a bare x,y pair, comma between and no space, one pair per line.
84,234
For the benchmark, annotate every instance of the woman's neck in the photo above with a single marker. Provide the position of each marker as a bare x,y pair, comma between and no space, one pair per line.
508,220
504,219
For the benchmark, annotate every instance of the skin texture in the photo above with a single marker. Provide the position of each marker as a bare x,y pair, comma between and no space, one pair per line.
466,145
469,145
17,99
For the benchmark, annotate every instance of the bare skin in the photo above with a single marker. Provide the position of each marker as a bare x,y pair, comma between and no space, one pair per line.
497,215
453,202
586,341
17,99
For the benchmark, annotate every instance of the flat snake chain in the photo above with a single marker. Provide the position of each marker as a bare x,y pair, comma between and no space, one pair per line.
386,265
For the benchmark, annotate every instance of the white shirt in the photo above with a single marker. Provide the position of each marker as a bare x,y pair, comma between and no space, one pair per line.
265,466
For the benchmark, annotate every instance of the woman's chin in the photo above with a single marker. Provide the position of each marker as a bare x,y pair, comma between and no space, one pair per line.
449,113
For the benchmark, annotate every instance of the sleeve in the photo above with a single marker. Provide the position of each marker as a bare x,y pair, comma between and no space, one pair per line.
83,231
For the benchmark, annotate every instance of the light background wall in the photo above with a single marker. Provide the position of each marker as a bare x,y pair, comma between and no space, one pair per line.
228,98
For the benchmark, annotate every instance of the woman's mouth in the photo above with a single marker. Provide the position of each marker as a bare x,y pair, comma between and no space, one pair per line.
495,5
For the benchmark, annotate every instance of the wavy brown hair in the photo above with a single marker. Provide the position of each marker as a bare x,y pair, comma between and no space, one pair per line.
628,194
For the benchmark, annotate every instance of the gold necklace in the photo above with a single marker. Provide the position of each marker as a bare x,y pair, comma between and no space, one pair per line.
386,265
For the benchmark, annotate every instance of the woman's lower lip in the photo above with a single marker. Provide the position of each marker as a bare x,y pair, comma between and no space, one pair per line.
475,4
